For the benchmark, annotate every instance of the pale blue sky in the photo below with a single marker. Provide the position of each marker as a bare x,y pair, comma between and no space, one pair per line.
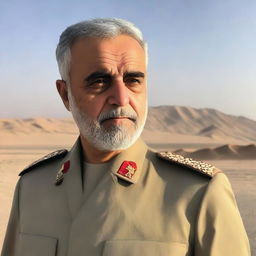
202,53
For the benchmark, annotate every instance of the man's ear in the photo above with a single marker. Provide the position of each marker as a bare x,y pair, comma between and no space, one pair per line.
63,92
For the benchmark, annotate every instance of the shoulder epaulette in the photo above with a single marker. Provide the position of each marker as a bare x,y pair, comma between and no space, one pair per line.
54,155
199,166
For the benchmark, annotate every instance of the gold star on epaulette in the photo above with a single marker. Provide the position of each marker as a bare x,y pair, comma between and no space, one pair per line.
198,166
53,155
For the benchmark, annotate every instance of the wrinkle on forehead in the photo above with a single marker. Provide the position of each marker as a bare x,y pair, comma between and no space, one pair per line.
110,61
112,55
127,55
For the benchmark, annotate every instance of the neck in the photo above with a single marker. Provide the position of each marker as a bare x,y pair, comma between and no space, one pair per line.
95,156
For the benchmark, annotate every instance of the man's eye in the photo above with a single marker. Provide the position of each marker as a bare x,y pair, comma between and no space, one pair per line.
132,80
98,83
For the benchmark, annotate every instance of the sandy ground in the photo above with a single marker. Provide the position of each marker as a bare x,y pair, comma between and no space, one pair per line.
242,175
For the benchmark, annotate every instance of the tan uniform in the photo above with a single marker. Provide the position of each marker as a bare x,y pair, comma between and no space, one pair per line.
159,208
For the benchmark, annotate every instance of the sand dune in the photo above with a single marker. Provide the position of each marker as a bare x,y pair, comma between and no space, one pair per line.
165,125
37,125
227,152
209,123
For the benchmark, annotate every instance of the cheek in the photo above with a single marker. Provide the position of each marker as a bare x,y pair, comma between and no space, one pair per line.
139,103
92,106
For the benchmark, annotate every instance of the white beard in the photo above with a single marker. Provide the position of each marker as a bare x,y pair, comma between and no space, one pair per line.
115,137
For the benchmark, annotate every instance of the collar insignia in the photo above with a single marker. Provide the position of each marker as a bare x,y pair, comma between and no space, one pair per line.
63,170
127,169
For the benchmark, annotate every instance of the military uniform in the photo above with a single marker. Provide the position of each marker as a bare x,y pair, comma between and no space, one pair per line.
144,203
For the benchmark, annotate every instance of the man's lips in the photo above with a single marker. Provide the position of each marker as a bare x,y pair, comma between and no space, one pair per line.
118,118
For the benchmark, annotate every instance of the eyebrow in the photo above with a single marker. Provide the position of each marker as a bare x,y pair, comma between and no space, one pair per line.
97,74
134,74
105,74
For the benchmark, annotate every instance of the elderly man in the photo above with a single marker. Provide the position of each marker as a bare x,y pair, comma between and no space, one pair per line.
111,194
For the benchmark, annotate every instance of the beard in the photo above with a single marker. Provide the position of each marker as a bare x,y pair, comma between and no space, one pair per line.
111,138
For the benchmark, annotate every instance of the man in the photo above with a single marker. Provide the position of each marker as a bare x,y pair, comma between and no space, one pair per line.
111,194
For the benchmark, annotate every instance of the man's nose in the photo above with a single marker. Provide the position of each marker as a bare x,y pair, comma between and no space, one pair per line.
119,94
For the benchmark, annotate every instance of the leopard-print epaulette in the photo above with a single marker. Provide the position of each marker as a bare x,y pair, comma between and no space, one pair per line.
199,166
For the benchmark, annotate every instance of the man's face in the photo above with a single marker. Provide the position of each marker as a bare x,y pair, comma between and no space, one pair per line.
107,93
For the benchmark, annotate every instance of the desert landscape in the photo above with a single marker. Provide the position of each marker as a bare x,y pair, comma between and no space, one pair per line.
225,141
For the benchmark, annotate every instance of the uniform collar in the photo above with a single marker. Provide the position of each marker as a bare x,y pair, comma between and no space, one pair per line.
73,178
134,154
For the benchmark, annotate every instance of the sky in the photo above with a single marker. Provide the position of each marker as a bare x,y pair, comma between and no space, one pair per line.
202,53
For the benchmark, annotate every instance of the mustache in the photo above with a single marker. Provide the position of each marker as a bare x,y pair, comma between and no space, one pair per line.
119,112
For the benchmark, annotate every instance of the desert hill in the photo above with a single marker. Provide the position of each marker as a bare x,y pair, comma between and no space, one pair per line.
201,122
227,152
38,125
166,125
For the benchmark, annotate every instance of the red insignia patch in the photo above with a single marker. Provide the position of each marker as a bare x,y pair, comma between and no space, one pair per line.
127,169
66,166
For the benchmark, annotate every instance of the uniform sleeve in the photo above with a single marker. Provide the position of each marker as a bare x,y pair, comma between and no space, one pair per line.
220,230
12,232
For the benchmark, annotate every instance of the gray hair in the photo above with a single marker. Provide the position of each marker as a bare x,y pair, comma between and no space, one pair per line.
101,28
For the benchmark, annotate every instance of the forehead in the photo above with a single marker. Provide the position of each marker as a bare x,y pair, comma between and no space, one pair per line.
122,52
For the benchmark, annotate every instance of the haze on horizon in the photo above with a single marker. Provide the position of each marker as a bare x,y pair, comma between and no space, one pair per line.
201,53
